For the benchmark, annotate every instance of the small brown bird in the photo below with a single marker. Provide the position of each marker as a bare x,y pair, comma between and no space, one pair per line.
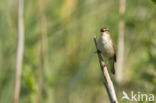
106,47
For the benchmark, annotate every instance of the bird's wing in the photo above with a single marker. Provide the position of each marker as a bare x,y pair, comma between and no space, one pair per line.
115,59
114,54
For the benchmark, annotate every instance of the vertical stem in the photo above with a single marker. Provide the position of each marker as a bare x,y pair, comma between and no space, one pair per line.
120,58
39,81
20,50
43,49
122,7
1,52
44,37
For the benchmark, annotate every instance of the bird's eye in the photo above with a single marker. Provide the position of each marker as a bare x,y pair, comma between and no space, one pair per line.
102,29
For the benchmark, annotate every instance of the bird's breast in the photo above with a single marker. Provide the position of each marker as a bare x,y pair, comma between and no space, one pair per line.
105,45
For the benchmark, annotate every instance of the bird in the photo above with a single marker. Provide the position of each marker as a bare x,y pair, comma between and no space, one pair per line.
106,47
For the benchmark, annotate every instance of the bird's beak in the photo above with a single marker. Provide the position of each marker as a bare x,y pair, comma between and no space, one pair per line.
102,33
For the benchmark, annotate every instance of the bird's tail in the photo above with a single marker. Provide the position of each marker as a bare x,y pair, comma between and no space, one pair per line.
113,66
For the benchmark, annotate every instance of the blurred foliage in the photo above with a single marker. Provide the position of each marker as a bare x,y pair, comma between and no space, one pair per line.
59,50
154,1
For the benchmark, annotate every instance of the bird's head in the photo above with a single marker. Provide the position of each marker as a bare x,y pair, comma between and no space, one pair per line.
103,30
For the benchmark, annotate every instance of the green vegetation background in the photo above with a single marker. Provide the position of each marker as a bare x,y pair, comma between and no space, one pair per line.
59,49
